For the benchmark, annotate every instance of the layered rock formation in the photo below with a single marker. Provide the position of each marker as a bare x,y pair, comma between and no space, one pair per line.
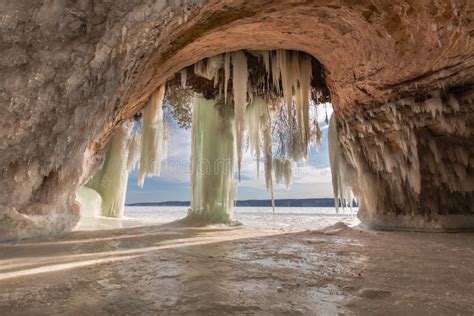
400,75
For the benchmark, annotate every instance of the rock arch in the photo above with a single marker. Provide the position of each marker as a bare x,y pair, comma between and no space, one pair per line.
400,75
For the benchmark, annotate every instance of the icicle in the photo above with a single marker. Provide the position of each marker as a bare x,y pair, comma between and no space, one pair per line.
114,180
318,135
302,106
239,82
201,69
296,72
226,74
209,68
184,76
254,113
134,152
266,131
340,170
152,141
283,169
326,119
287,78
266,62
275,66
212,187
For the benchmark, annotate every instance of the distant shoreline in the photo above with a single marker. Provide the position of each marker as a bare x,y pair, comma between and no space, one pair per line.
319,202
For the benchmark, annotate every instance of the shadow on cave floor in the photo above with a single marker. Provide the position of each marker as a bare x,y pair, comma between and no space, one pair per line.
178,270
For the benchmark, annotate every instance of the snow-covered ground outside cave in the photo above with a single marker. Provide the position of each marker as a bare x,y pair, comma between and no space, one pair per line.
285,219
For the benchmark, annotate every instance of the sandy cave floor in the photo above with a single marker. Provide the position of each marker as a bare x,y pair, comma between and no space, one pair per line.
170,269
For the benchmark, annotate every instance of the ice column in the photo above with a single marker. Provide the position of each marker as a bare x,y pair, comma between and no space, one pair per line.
213,189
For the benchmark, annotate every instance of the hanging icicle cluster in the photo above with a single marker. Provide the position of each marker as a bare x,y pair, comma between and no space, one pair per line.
110,180
283,169
131,144
153,138
268,93
342,173
271,93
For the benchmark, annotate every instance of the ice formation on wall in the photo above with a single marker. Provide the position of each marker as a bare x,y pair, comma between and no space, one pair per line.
153,140
393,166
213,189
110,180
342,173
129,145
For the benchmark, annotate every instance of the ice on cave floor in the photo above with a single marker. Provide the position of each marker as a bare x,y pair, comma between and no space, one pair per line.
213,189
153,140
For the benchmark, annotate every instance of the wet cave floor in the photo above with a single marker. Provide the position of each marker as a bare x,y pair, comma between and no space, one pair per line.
169,269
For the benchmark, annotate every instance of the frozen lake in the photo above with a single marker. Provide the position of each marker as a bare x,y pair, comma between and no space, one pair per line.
285,218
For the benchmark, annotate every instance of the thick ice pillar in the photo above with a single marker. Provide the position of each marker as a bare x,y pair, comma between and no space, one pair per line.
110,181
212,186
414,160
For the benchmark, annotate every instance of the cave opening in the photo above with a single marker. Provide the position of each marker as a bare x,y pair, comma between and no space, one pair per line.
89,89
267,105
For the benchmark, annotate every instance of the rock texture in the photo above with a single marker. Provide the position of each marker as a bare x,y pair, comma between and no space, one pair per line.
72,71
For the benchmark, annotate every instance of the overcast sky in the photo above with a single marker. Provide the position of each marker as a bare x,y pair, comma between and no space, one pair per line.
311,179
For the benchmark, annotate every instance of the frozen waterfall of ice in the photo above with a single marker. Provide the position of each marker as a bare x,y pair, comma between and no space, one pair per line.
213,189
